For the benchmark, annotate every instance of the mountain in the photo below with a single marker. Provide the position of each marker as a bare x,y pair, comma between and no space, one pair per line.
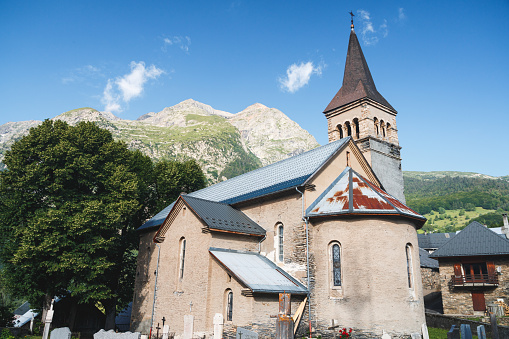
224,144
427,191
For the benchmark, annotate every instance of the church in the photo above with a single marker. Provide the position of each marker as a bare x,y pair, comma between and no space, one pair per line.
329,226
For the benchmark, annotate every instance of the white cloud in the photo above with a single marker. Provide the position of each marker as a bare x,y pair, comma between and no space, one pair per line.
298,76
401,14
129,86
183,42
369,34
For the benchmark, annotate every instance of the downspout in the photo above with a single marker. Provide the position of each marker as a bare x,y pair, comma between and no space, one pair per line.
155,289
307,259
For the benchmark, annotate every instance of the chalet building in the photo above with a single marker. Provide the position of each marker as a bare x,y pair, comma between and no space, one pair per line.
474,266
328,226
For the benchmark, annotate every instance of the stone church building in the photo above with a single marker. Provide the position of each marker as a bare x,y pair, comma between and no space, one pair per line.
329,226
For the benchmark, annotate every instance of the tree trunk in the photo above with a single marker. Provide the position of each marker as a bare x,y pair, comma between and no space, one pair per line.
110,308
46,303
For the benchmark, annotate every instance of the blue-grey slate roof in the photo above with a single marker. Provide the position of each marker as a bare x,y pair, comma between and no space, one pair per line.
281,175
473,240
256,272
223,217
426,261
434,240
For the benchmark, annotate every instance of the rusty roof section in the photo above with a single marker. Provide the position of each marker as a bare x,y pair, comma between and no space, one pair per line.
357,80
353,194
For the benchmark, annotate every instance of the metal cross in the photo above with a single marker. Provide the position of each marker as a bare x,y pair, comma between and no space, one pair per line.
352,15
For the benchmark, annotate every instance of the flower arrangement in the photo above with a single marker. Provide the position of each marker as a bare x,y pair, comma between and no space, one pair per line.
345,333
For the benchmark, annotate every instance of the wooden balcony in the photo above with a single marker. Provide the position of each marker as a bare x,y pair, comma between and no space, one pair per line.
475,280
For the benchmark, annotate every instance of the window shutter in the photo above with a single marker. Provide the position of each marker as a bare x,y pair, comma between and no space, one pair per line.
457,269
491,268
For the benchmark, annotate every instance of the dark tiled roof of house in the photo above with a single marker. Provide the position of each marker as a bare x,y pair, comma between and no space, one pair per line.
426,261
473,240
223,217
357,80
279,176
434,240
350,193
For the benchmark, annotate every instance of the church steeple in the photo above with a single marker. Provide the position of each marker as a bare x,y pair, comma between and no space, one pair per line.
360,111
357,80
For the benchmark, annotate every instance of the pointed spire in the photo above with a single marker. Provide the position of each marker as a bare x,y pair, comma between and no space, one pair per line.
357,80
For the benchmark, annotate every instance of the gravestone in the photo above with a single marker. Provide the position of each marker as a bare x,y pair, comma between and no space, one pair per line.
494,326
481,332
454,333
242,333
102,334
466,332
425,334
188,327
218,326
385,335
61,333
415,336
166,330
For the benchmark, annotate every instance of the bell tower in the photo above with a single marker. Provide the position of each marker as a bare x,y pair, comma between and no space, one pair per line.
360,111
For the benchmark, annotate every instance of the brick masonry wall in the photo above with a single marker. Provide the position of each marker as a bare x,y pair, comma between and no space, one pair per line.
458,300
430,279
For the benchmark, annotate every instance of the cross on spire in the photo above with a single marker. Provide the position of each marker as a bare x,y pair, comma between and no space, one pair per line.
352,15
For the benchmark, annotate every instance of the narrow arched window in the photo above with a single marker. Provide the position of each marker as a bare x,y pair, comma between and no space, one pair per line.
375,122
340,130
356,128
382,127
336,264
182,257
409,267
280,242
348,128
229,305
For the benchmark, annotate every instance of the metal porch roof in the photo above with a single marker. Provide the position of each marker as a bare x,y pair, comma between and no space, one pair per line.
284,174
257,272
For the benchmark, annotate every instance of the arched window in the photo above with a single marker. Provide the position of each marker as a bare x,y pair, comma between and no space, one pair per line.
375,121
182,257
382,127
340,130
409,267
356,128
229,304
280,242
335,260
348,128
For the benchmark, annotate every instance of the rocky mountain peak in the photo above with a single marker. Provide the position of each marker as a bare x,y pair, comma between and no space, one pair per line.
85,114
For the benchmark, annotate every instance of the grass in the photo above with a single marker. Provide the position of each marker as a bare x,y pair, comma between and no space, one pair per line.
453,219
439,333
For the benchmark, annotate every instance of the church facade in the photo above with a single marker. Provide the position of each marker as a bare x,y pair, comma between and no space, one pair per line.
328,226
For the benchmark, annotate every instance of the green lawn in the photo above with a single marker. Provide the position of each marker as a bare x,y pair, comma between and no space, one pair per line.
438,333
452,219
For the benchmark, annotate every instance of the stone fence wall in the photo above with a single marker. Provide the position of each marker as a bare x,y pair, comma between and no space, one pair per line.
445,322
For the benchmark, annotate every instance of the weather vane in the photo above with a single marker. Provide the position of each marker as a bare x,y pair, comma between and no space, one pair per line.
352,15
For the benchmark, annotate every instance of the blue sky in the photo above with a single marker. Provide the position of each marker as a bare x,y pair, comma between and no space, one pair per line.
443,65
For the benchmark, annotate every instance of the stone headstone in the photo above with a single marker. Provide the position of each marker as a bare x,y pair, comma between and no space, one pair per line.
454,333
188,327
481,332
242,333
166,330
144,336
415,336
494,326
466,332
425,334
218,326
61,333
385,335
102,334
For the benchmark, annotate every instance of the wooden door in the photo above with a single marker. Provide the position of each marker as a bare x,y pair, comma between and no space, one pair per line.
478,301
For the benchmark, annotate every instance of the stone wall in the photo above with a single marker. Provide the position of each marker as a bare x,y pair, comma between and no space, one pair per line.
430,279
458,300
445,322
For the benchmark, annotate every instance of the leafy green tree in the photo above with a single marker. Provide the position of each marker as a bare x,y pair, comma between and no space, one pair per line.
462,212
173,178
441,210
71,198
469,207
